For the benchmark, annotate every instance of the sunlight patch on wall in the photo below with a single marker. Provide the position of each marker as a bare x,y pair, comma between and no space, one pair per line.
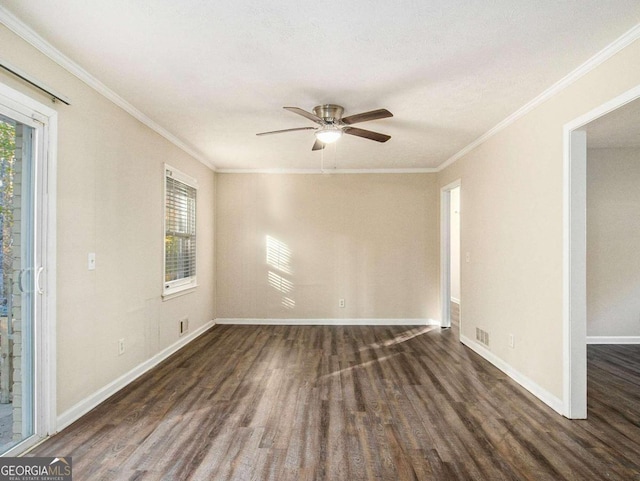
278,257
279,283
288,303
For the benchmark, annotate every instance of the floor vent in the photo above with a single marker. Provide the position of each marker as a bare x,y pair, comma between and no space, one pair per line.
482,336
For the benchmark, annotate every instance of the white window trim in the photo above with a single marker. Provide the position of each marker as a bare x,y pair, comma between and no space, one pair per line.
178,287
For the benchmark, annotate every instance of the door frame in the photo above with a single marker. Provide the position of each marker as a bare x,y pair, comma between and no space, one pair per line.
45,120
445,252
575,255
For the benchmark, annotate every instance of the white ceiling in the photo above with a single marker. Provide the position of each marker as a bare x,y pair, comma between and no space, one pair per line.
215,73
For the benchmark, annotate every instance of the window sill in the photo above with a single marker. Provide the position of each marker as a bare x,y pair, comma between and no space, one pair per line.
166,296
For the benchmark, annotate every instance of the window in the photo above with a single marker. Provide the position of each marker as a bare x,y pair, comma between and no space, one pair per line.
179,232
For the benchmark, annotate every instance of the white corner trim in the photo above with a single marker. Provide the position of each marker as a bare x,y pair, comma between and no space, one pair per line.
606,53
613,339
26,33
545,396
87,404
329,171
329,322
455,301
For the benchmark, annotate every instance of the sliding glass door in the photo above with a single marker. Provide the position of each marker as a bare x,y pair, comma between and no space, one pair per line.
21,276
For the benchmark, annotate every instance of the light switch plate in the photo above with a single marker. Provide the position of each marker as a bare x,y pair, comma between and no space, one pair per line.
92,261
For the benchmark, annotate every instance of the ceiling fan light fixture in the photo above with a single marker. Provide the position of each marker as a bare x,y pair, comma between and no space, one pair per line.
328,134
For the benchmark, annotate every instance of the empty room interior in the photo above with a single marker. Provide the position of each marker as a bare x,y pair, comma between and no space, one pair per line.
306,241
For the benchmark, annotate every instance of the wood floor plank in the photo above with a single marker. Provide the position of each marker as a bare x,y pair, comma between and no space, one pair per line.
352,403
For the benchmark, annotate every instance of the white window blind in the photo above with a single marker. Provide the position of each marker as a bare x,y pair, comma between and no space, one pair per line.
180,232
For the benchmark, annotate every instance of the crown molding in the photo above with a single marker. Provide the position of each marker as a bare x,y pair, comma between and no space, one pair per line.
606,53
18,27
26,33
328,171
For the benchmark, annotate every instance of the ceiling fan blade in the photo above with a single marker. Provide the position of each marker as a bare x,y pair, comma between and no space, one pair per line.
318,145
306,114
366,116
367,134
286,130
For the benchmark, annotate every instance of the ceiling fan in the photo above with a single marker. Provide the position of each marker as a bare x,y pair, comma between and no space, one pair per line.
331,124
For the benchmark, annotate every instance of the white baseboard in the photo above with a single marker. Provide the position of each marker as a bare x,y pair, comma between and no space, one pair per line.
330,322
545,396
87,404
455,301
613,339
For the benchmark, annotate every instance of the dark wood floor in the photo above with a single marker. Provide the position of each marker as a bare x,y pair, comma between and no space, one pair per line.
352,403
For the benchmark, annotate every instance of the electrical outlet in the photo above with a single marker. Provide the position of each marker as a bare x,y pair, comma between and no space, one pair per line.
341,303
183,326
91,261
120,347
512,343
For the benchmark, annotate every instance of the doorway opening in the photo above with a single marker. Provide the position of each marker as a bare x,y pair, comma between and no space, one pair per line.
576,254
450,254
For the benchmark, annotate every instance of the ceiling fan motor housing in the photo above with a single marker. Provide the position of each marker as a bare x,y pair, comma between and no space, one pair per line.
329,112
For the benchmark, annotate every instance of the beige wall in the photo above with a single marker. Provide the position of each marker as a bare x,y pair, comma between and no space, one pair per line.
110,198
290,246
613,242
512,225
